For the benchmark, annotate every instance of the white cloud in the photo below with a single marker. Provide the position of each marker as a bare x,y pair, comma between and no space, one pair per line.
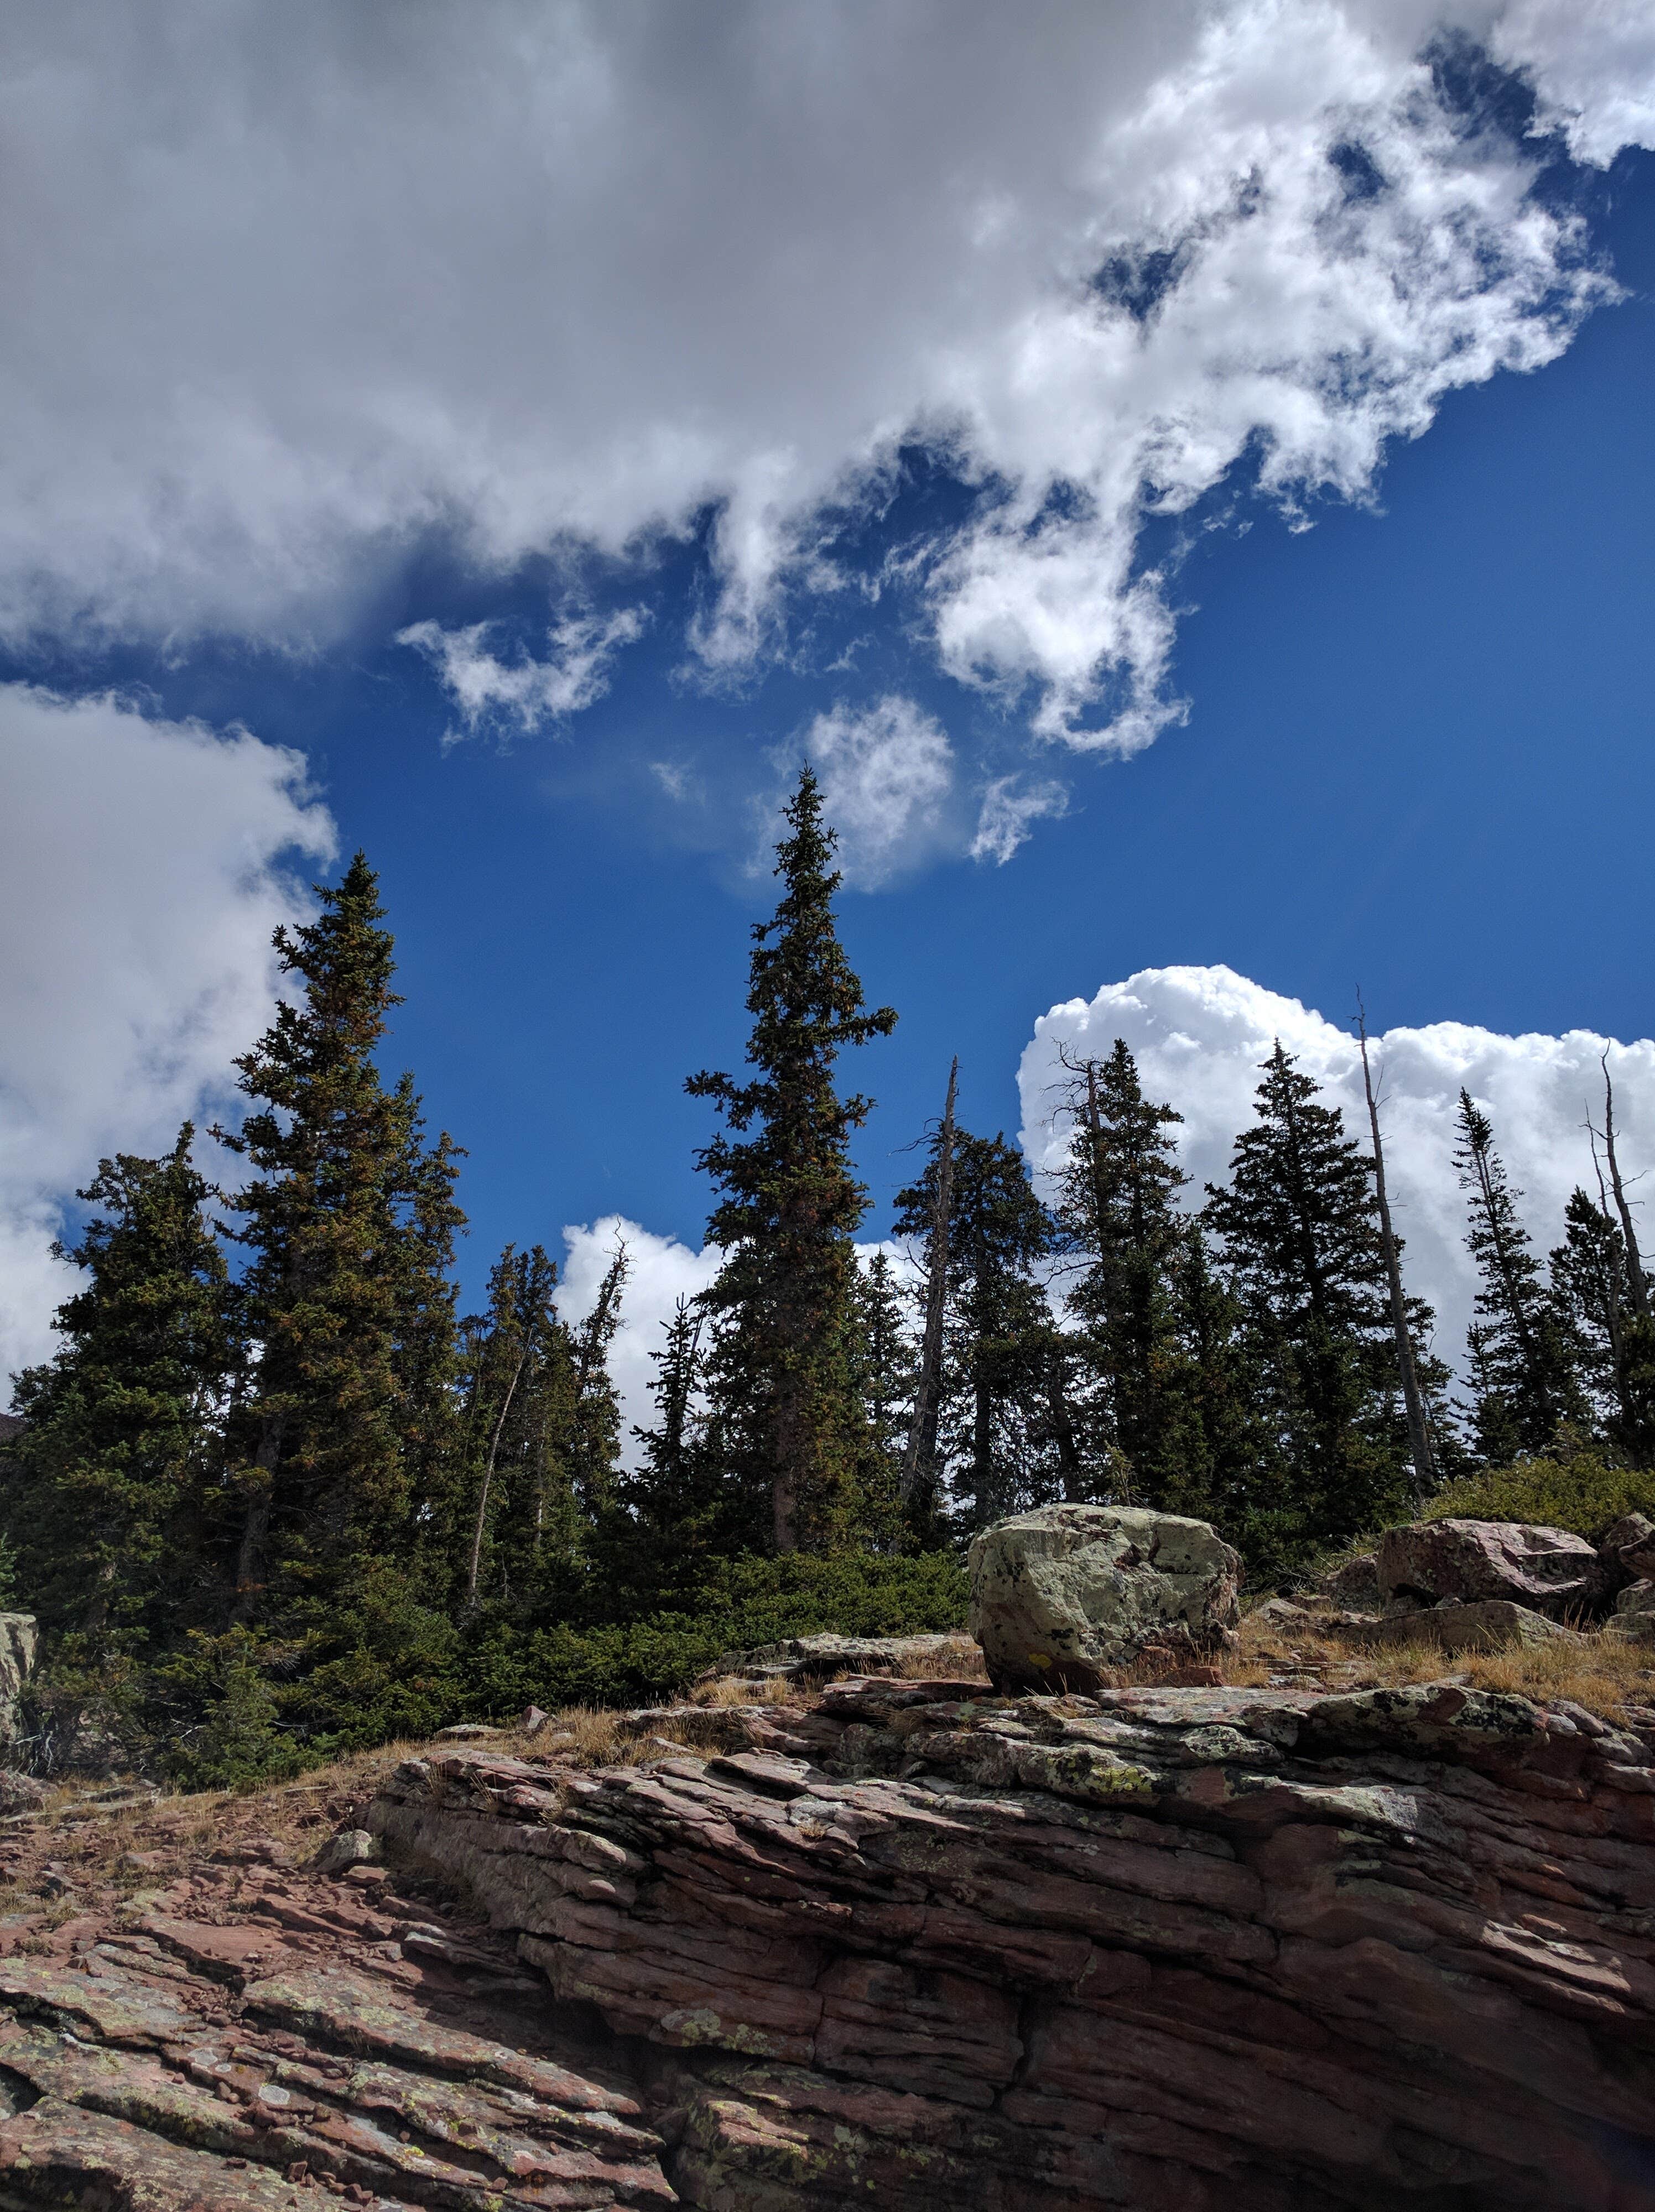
525,691
1008,814
660,1271
1594,61
140,881
886,774
1199,1033
283,295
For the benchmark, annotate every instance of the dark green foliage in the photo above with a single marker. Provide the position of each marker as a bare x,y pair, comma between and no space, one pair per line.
674,1507
784,1415
518,1382
1526,1385
1300,1229
741,1601
349,1225
1118,1215
1610,1345
882,1358
1006,1437
103,1494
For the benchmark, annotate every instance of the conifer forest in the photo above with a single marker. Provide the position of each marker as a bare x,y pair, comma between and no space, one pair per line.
275,1496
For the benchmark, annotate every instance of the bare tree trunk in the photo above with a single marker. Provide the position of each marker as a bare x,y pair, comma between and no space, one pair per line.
1635,1282
488,1478
1419,1435
921,1457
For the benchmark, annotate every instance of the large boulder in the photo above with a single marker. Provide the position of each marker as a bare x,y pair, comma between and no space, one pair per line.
1627,1548
1063,1596
1546,1569
1353,1587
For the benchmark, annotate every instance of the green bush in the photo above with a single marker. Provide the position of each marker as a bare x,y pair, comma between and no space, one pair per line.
744,1601
1580,1492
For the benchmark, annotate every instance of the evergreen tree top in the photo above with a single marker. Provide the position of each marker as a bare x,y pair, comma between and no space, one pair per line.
806,1003
1300,1219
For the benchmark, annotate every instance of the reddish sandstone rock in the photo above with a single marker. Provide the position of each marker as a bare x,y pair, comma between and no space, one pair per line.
1548,1569
1185,1951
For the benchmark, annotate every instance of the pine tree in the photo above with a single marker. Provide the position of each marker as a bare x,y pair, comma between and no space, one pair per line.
348,1224
107,1486
675,1503
518,1392
883,1371
1118,1209
1301,1239
1591,1301
1002,1418
784,1407
1526,1385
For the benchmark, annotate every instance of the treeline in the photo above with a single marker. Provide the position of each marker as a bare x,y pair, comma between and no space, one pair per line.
275,1495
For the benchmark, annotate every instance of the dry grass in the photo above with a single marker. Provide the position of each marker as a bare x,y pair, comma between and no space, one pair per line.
1604,1673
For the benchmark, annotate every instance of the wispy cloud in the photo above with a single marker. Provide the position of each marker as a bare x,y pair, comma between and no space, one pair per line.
887,773
1007,814
524,692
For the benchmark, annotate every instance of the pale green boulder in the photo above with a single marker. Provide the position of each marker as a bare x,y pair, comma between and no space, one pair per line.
1067,1593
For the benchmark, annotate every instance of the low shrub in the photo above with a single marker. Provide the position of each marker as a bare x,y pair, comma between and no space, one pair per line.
744,1601
1579,1492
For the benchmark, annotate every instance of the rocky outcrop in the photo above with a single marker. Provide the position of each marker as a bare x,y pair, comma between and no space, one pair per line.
813,1658
1488,1624
1546,1569
1067,1595
19,1644
255,2032
1179,1950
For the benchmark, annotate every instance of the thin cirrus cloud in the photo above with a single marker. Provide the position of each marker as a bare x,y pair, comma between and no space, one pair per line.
1199,1035
287,294
142,872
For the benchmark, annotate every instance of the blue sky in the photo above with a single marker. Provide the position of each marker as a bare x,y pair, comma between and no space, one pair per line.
1415,745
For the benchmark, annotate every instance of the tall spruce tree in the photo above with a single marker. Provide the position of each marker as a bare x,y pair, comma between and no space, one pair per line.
784,1406
1526,1385
1301,1237
1003,1421
349,1223
1117,1211
107,1489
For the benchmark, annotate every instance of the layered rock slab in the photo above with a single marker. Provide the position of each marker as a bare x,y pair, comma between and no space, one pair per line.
227,2046
1186,1949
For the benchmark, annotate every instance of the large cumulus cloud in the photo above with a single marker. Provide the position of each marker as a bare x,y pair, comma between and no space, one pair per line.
286,289
141,875
1199,1033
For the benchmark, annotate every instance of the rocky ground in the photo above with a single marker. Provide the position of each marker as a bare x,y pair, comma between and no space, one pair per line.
1275,1945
